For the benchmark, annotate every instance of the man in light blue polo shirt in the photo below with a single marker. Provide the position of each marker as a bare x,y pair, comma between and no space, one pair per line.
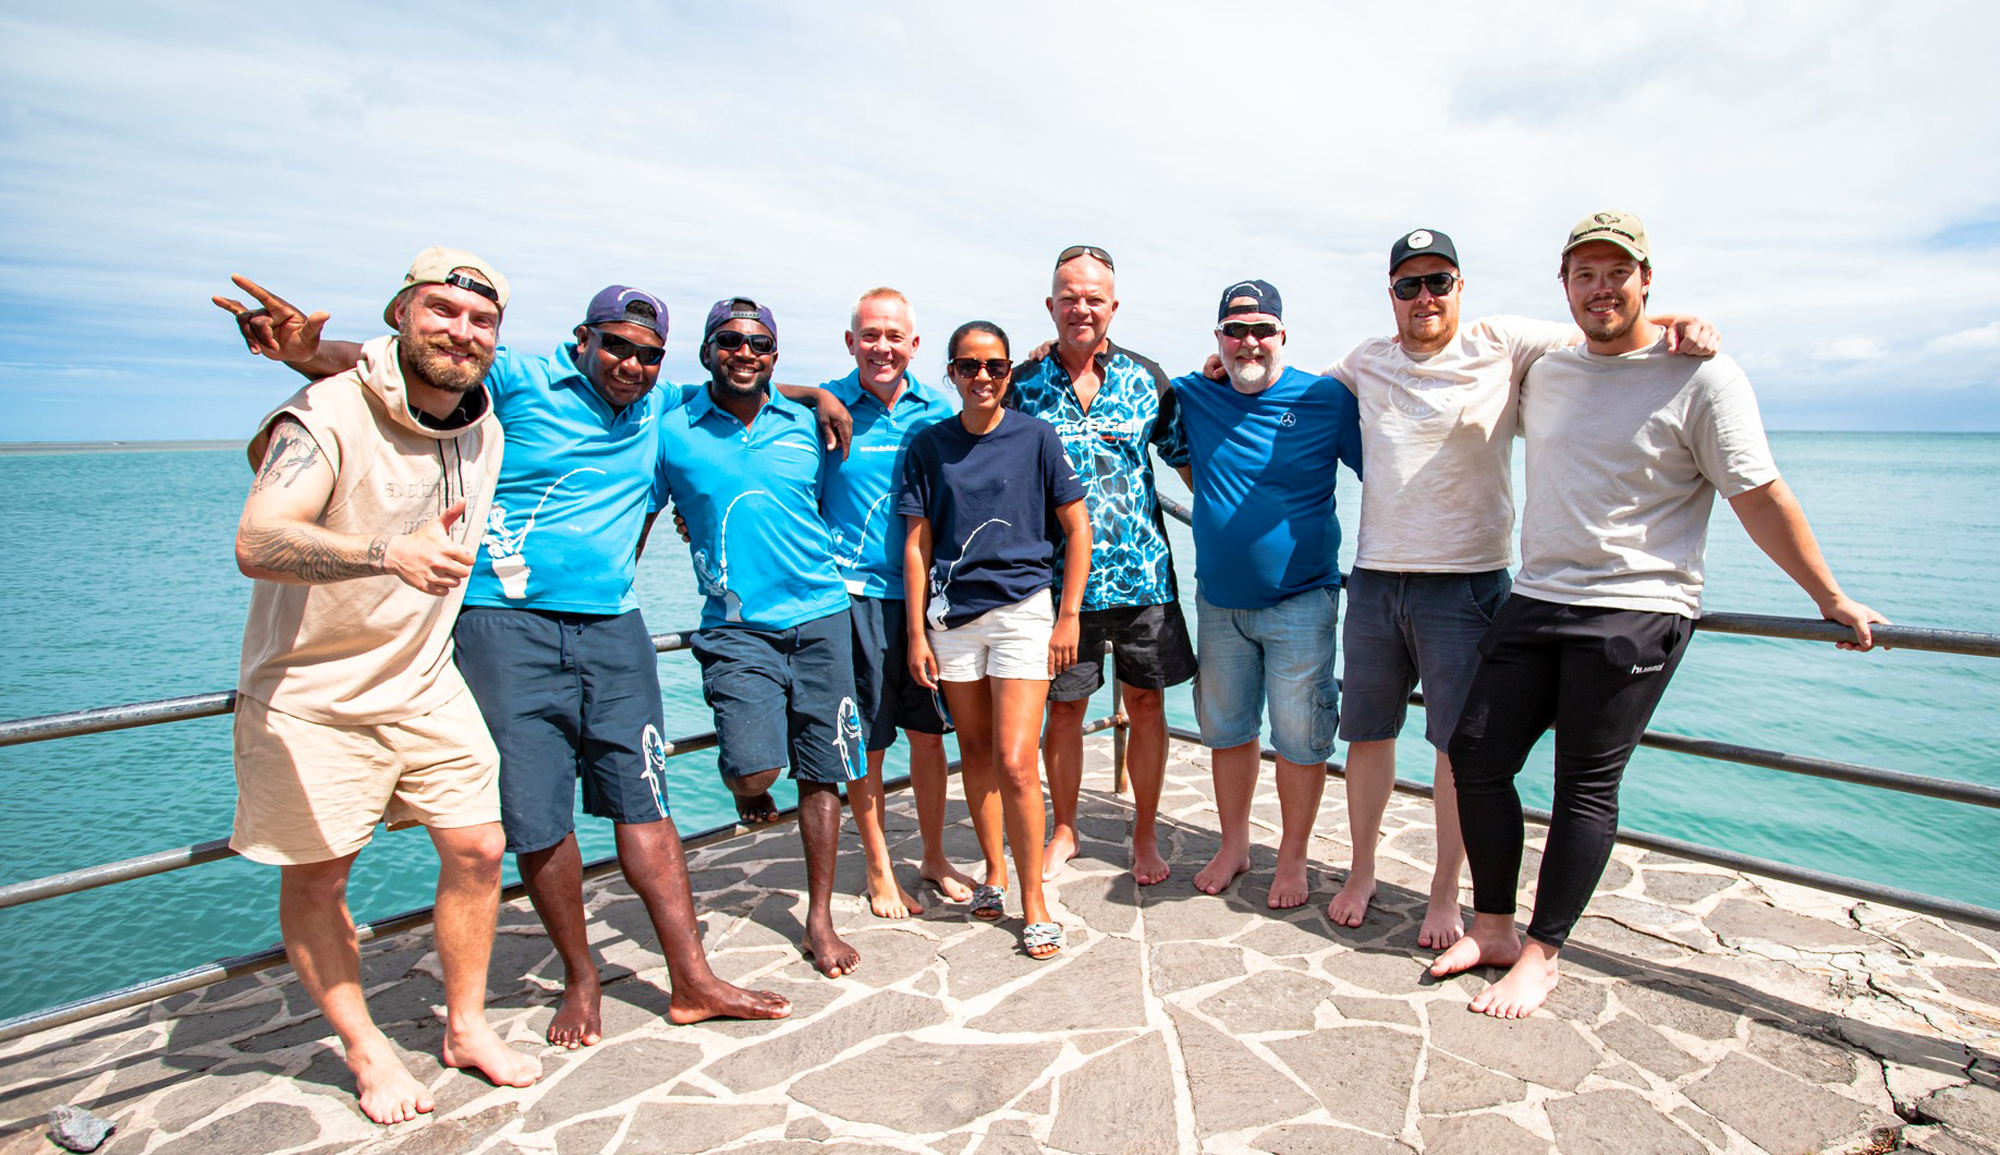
1264,446
889,406
742,465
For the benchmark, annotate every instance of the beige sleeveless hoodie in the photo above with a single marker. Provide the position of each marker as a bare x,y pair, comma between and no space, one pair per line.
371,650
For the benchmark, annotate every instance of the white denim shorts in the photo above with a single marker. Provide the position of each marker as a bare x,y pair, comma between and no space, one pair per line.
1009,642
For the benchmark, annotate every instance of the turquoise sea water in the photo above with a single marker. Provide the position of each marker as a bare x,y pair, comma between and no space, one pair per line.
118,585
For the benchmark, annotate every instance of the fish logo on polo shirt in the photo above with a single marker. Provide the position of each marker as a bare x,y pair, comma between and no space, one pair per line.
714,578
506,550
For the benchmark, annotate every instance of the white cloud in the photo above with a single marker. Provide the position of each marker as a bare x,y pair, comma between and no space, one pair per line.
1850,349
1983,339
1784,156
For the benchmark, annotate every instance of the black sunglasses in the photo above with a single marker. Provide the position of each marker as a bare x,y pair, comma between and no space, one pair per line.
1407,288
968,367
461,281
1238,330
619,349
730,340
1074,251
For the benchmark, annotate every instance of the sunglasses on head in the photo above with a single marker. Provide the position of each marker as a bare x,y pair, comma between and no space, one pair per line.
730,340
969,367
1074,251
619,348
1238,330
1407,288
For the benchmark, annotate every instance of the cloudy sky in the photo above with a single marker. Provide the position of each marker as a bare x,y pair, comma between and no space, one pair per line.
1820,179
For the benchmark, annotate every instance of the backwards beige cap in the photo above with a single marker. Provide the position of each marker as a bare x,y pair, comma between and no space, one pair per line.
1621,229
441,266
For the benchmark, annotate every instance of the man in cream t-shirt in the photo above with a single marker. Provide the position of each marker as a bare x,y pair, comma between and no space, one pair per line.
1437,526
1627,449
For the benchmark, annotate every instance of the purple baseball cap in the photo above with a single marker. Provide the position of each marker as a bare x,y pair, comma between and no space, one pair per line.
737,309
616,303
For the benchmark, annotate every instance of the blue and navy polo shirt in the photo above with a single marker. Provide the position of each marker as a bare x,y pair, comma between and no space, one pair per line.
1264,466
858,495
1130,564
576,484
750,497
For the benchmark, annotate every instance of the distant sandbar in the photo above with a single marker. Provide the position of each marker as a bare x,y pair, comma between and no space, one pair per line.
32,447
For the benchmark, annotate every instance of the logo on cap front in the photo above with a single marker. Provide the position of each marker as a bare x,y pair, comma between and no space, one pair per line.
1604,218
1421,239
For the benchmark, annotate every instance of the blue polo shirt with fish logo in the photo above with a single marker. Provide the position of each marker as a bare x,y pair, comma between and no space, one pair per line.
750,496
576,484
858,495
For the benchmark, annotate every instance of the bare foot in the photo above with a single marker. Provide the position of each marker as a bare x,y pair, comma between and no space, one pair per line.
477,1047
829,952
889,900
1492,942
1443,925
578,1021
388,1092
1147,865
1056,855
716,999
1221,870
1525,986
1350,906
1289,887
956,885
756,810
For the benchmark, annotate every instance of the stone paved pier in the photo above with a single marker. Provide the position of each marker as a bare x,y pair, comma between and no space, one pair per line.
1703,1012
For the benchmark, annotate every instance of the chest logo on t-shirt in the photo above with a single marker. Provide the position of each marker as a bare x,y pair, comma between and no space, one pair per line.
1404,396
1288,420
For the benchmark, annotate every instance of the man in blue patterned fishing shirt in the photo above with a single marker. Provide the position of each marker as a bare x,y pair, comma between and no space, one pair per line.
1108,404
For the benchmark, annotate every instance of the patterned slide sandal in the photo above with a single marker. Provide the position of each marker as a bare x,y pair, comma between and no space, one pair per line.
1042,934
989,902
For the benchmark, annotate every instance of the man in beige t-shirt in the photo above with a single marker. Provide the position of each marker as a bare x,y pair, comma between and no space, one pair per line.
1438,404
349,710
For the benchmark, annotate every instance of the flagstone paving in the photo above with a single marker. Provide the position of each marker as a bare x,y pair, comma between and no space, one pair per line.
1703,1012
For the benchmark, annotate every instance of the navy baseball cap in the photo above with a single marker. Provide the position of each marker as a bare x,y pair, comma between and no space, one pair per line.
1421,243
1266,298
616,303
737,309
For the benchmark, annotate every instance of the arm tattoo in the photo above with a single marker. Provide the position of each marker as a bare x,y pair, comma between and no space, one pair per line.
304,554
292,452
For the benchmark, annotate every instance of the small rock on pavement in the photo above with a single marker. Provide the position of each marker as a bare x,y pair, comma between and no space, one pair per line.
77,1129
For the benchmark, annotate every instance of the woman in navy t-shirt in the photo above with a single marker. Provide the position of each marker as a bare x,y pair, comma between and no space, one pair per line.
987,498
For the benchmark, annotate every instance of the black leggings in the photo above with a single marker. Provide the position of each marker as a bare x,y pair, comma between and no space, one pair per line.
1596,674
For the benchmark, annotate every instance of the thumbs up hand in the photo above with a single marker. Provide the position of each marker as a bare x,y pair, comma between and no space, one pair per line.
429,559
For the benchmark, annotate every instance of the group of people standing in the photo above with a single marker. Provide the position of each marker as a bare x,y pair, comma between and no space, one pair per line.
877,554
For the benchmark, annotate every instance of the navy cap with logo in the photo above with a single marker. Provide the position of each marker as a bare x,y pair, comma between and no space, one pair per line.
737,309
1262,299
622,303
1421,243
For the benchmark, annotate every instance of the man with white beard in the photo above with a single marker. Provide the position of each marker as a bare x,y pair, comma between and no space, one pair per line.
1260,454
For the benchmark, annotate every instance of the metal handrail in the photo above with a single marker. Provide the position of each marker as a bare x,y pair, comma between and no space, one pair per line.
105,719
208,974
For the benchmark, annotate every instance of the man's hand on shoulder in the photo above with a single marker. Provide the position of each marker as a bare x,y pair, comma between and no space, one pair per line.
1691,336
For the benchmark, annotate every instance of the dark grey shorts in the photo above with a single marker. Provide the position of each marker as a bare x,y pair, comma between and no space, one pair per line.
567,696
1406,628
888,697
784,696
